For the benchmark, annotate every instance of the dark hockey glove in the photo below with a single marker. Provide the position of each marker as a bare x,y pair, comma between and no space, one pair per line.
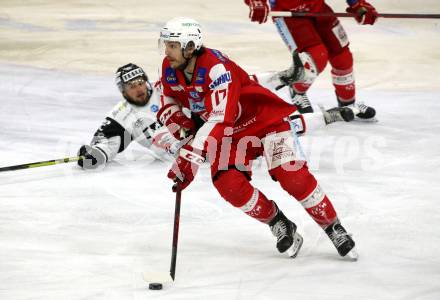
186,166
258,10
175,120
93,157
366,14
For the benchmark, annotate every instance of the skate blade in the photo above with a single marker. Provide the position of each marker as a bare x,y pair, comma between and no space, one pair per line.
352,255
296,246
371,120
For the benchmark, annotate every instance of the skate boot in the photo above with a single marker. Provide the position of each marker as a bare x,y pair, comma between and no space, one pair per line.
301,101
295,73
285,232
337,114
341,239
362,111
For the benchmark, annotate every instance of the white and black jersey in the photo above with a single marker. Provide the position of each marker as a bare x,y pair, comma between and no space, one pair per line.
127,122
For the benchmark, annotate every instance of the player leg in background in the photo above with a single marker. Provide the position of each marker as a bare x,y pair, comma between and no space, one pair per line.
341,59
232,182
309,57
314,119
286,166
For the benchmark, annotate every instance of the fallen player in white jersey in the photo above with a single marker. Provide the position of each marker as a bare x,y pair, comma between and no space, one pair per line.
134,119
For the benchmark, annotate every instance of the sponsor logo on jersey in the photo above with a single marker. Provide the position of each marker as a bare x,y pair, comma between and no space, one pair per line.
139,123
219,55
199,89
170,75
222,79
200,77
216,115
197,106
154,108
195,96
243,126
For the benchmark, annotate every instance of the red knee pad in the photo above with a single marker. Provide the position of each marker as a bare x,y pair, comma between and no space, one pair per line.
234,187
298,183
319,54
319,57
343,60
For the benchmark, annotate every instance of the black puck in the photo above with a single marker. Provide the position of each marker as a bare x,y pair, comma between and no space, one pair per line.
155,286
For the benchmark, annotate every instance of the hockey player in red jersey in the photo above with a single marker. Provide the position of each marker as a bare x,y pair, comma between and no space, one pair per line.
314,41
241,121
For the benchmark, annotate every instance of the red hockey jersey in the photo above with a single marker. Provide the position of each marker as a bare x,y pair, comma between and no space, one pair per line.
295,5
222,93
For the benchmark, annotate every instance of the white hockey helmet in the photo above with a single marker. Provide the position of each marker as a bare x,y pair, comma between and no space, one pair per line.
183,30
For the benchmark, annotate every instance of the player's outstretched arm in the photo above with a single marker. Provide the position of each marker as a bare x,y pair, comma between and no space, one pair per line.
110,139
93,157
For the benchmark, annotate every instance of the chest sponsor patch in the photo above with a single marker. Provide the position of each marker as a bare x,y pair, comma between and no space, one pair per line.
200,77
170,75
197,106
222,79
195,96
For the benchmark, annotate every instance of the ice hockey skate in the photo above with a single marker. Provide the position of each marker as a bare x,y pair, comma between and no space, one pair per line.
294,73
301,101
362,111
342,240
288,240
337,114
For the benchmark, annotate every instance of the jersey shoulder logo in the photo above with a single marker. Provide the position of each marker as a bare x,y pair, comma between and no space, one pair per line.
154,108
219,55
222,79
170,75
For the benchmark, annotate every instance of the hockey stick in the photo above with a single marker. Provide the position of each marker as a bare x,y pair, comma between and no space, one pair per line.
158,278
350,15
175,231
42,163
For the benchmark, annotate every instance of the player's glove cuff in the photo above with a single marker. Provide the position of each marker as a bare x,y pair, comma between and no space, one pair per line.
93,157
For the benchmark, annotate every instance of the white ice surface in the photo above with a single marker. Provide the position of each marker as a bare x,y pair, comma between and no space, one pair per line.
70,234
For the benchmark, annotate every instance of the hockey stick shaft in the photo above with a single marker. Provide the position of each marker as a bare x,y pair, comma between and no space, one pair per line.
42,163
175,231
349,15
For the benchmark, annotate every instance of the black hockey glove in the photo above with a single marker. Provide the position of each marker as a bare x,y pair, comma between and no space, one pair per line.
93,157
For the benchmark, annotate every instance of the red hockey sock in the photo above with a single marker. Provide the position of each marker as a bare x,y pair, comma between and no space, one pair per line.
343,78
319,207
302,185
343,81
234,187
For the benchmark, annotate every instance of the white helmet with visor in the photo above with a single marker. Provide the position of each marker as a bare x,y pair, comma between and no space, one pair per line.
182,30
